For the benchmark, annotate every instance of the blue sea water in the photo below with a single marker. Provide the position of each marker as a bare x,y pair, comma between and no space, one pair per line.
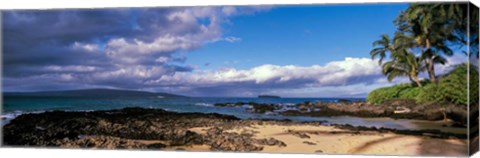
14,106
174,104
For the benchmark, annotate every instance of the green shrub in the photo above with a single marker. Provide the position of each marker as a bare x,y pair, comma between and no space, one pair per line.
427,93
380,95
451,88
410,93
474,85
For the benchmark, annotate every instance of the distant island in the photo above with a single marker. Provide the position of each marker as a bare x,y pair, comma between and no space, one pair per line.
268,96
96,93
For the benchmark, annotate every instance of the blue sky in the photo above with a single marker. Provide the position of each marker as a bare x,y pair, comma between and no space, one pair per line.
228,51
309,34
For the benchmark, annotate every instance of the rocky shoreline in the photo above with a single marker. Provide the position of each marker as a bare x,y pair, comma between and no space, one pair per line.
139,128
397,109
121,128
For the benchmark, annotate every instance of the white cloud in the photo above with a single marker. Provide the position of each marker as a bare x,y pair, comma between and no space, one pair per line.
457,58
66,77
162,59
71,68
232,39
163,44
132,72
229,10
353,77
354,90
85,47
333,73
185,33
177,37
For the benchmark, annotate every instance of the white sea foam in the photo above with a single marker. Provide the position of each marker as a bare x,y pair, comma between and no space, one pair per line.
203,104
270,113
7,117
247,106
288,104
11,115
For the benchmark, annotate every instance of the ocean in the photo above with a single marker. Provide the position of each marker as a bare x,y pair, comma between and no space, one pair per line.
15,106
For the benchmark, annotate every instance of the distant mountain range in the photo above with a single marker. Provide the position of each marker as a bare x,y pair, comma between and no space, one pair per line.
96,93
268,96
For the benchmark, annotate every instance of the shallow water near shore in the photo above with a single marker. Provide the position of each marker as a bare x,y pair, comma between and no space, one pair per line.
14,106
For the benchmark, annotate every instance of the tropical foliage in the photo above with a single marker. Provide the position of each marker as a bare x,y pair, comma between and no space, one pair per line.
426,34
381,95
451,88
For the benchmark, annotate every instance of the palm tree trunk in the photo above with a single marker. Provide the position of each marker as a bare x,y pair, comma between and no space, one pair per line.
417,81
430,64
411,79
431,70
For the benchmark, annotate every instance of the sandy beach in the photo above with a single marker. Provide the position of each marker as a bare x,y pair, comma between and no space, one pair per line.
331,140
150,129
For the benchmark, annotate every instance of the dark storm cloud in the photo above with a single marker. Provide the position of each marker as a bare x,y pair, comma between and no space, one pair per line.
81,43
40,38
44,37
63,27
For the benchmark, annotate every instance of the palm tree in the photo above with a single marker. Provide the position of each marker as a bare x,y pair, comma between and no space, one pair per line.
426,28
462,19
403,63
382,46
421,40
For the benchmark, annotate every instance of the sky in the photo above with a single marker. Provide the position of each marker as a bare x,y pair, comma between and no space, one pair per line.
230,51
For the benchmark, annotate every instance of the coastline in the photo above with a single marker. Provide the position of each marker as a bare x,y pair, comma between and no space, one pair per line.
138,128
394,109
